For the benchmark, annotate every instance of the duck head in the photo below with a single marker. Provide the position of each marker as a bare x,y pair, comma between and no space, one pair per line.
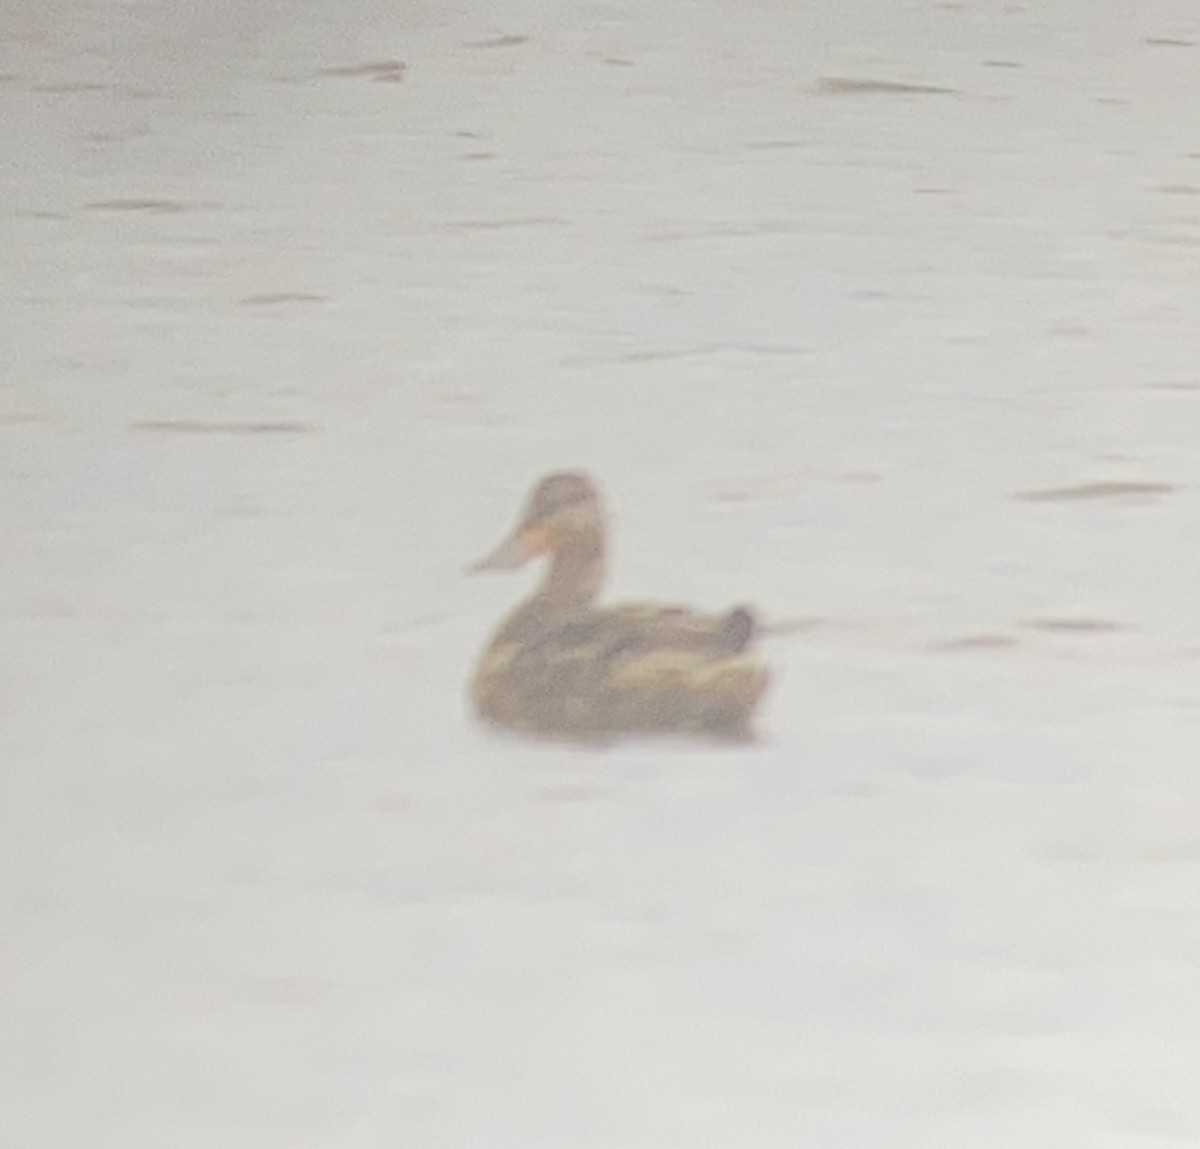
563,518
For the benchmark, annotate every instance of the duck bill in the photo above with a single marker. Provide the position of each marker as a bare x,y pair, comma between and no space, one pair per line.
514,552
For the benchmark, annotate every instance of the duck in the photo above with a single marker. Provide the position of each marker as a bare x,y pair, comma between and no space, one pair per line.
561,666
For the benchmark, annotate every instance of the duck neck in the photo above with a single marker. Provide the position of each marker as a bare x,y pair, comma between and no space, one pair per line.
576,571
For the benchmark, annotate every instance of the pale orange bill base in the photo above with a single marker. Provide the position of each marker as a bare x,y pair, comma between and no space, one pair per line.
515,551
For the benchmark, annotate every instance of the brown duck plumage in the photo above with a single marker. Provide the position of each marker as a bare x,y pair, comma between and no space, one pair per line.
560,666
